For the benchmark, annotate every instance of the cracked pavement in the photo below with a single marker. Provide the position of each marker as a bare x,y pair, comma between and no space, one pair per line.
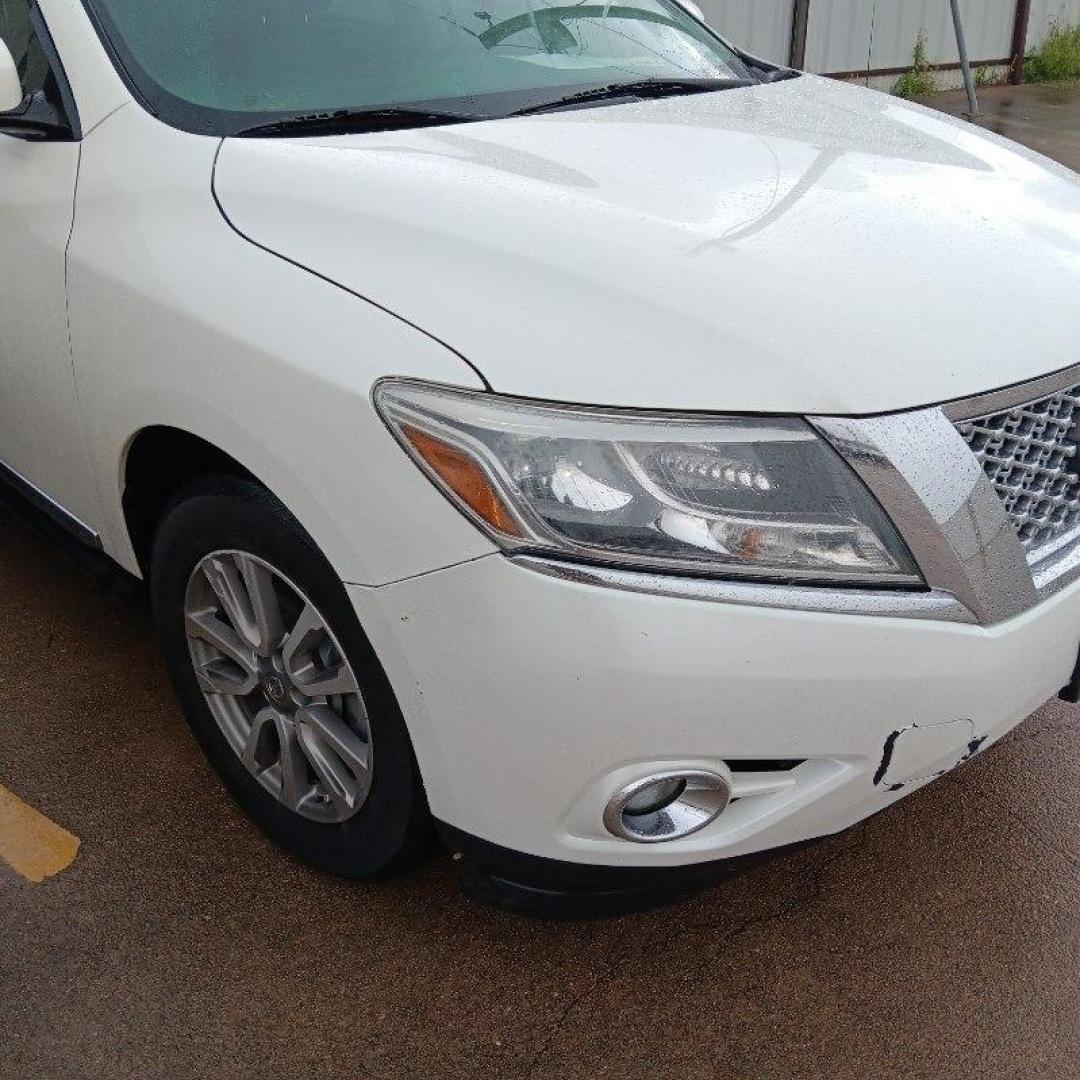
937,939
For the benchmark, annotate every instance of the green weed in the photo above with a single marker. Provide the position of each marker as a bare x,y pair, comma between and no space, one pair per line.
1058,57
920,81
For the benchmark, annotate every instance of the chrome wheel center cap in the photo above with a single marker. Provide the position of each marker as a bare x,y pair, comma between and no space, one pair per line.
276,690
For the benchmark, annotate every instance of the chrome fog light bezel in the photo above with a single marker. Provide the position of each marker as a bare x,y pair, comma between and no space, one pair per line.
704,795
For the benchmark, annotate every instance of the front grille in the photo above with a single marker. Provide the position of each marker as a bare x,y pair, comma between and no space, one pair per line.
1030,455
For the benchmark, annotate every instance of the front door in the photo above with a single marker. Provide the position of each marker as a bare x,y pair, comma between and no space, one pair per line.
41,439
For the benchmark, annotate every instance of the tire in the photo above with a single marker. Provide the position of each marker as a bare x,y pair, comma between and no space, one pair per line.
392,827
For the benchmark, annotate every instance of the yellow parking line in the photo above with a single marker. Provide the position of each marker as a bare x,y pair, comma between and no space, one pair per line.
30,843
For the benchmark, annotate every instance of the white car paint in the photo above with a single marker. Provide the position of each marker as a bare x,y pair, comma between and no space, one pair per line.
39,420
11,94
152,326
802,247
532,248
559,691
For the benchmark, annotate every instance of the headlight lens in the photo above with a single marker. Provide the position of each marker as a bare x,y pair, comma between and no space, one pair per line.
759,497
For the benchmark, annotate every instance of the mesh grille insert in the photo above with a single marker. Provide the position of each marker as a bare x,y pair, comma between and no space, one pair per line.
1030,455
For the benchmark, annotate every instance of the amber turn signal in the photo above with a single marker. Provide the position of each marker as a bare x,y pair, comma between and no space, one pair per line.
465,478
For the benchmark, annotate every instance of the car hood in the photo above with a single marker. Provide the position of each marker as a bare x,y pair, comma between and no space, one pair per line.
798,247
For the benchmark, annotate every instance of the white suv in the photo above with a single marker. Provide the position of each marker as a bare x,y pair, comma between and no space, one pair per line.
547,422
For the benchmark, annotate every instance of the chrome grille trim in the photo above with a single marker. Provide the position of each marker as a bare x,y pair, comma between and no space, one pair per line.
1018,394
895,603
1030,454
929,483
1057,570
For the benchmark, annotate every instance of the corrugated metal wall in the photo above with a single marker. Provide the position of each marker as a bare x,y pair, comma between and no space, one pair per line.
1044,13
839,35
761,27
988,26
854,35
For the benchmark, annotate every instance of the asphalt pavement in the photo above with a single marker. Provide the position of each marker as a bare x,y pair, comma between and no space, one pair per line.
1044,116
939,939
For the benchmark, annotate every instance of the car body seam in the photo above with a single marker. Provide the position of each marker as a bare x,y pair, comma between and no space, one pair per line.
330,281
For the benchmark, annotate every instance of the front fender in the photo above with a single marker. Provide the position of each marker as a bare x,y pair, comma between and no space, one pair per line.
178,321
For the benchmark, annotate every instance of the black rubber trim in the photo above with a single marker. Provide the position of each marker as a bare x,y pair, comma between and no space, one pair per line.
76,543
1071,690
69,112
46,507
56,63
113,54
552,889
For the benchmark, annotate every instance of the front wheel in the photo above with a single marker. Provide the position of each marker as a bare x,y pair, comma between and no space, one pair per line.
281,686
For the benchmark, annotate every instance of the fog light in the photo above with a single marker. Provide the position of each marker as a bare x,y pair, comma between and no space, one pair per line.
667,806
655,796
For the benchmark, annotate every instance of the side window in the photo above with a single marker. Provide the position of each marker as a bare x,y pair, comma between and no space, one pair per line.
18,34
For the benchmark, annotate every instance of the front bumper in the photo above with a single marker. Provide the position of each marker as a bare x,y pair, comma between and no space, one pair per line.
531,698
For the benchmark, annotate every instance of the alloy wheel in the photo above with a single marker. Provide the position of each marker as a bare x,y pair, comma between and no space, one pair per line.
279,686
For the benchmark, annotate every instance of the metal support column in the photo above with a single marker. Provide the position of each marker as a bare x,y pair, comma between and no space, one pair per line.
965,65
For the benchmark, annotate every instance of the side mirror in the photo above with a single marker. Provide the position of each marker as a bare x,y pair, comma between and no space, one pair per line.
693,9
31,116
11,95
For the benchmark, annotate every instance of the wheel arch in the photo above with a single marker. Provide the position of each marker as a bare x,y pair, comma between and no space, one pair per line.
158,461
372,514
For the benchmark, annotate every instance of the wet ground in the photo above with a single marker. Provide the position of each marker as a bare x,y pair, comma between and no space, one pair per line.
939,939
1044,116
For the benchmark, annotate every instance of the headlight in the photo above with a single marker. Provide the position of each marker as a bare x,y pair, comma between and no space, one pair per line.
761,497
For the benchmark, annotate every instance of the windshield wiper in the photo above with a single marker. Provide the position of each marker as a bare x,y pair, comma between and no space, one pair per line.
775,75
348,121
644,88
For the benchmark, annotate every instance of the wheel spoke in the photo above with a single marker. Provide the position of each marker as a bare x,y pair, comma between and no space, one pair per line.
331,729
325,682
295,784
206,626
336,776
263,603
224,577
253,753
304,664
303,637
221,676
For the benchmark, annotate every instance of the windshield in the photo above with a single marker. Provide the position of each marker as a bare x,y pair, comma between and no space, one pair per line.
219,66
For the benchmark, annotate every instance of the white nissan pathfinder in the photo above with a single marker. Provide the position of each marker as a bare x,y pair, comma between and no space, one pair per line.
541,423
